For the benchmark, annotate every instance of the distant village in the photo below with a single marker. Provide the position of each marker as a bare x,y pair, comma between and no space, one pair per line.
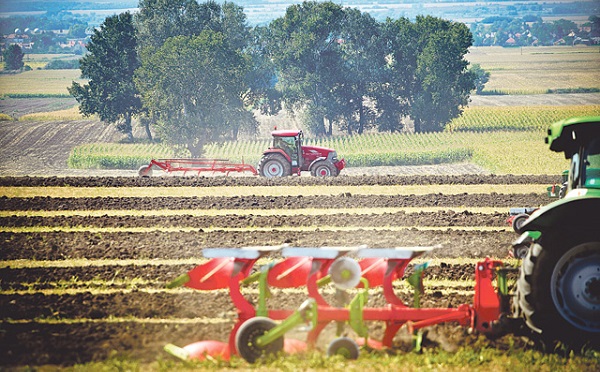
41,41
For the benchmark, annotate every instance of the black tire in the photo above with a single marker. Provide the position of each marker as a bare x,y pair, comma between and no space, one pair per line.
518,221
521,251
323,168
249,331
558,294
274,165
345,347
145,171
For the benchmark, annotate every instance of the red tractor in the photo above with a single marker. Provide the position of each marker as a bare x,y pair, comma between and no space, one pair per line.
287,156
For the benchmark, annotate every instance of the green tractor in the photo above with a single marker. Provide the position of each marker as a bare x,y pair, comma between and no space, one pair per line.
558,290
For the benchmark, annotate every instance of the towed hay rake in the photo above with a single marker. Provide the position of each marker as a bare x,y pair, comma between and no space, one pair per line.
260,331
196,165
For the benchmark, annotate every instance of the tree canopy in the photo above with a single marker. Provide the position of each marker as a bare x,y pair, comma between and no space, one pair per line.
109,66
340,66
198,94
191,86
13,57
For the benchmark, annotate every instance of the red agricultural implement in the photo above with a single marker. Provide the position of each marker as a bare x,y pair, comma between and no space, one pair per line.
286,156
260,331
196,165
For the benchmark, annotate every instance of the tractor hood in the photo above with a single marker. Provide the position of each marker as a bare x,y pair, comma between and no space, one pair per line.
579,208
321,151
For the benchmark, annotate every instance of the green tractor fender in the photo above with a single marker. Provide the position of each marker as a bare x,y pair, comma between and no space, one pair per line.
579,211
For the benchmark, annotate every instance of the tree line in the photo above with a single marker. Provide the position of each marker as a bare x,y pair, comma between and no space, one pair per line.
196,72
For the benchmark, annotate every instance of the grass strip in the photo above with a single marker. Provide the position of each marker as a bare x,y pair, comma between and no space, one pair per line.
240,191
203,320
246,212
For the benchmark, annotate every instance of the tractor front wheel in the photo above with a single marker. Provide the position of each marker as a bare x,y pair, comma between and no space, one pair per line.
519,220
323,168
558,293
274,165
249,332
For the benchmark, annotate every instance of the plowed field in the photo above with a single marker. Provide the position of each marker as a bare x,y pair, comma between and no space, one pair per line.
83,277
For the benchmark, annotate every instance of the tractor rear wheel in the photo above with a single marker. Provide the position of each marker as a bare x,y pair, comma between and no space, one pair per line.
558,293
249,332
323,168
274,165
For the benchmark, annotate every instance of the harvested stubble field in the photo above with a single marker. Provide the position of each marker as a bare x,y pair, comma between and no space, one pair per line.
84,277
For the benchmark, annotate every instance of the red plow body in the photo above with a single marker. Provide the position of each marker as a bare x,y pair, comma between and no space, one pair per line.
314,268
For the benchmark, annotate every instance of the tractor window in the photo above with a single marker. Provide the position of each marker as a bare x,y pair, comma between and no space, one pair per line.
592,164
574,172
289,146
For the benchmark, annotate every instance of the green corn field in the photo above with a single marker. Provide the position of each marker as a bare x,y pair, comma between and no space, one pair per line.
501,152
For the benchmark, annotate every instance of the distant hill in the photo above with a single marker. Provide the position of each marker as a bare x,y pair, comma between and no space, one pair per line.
263,11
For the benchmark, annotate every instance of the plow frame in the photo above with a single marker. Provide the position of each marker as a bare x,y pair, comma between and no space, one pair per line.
235,265
198,166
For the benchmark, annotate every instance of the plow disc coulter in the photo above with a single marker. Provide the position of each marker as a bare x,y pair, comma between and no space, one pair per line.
260,331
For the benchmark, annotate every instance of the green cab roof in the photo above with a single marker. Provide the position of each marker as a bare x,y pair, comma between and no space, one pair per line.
566,135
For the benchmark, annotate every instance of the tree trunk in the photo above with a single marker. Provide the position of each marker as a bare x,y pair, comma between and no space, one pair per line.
126,127
417,125
235,133
196,150
145,121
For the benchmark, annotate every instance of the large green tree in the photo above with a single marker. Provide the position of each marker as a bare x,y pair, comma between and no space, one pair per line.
396,81
110,92
426,76
305,45
13,57
442,80
362,64
192,85
160,20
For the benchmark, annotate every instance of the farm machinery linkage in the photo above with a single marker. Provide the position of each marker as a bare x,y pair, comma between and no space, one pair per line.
259,331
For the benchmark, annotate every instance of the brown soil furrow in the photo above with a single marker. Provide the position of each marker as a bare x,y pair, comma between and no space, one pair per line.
161,305
181,245
155,276
274,202
441,218
68,344
43,277
98,305
384,180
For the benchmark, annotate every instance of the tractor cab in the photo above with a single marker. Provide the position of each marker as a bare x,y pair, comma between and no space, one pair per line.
579,139
290,141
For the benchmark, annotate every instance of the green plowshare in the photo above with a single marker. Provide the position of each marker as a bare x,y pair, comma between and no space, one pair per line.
558,290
